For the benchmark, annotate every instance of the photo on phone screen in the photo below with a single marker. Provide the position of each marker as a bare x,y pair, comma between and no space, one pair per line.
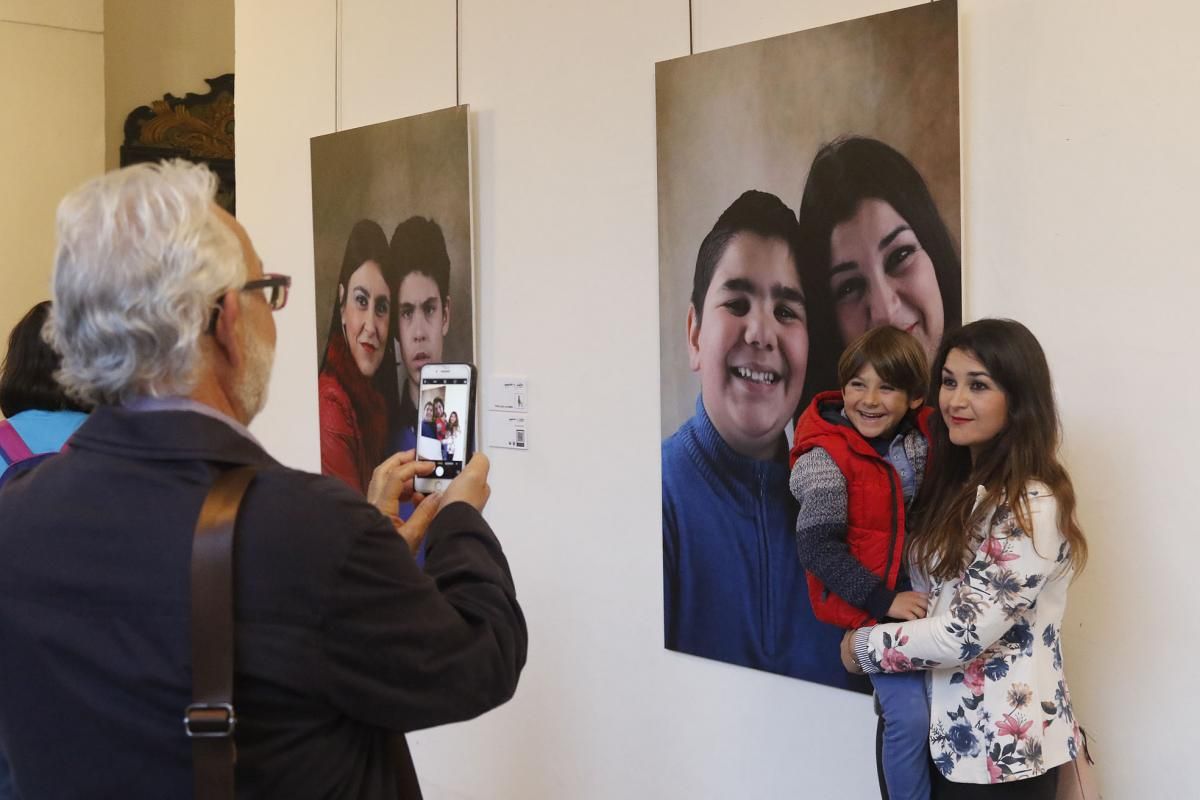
444,425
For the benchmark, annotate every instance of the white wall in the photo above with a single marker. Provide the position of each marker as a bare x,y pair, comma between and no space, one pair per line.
52,136
1078,124
70,71
152,47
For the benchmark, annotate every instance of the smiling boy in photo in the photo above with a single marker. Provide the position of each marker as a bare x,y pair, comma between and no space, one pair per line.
732,584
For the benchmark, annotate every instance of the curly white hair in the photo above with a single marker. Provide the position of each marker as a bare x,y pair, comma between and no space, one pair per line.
142,258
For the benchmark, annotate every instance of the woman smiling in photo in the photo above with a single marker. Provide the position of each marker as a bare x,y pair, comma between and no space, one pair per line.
874,249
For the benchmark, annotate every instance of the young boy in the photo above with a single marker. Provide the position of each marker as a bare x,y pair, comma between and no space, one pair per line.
857,462
729,556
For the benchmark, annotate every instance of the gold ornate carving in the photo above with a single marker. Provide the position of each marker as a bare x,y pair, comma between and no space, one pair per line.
198,127
204,130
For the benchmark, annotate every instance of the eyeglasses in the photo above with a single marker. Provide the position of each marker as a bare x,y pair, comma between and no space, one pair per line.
274,289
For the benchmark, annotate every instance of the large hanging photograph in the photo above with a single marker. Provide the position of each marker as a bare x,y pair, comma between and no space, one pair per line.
809,191
394,279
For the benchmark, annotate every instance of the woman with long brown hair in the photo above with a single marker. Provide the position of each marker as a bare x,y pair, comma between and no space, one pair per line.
997,535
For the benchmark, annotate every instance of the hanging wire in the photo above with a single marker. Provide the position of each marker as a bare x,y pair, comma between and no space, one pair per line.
457,52
691,33
337,66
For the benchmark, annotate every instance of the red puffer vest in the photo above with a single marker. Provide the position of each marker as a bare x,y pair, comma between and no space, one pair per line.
874,503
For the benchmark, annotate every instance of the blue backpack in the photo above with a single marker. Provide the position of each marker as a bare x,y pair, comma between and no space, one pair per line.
16,453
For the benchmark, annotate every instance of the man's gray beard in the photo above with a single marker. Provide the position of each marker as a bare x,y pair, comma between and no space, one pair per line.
250,391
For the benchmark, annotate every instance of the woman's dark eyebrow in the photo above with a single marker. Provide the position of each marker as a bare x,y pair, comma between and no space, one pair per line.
845,266
885,241
974,374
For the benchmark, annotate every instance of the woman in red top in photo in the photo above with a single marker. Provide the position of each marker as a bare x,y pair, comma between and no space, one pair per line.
355,387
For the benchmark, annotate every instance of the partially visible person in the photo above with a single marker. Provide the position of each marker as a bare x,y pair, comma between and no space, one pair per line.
997,533
439,418
858,460
357,391
453,435
422,263
429,446
163,316
428,427
40,417
730,573
875,250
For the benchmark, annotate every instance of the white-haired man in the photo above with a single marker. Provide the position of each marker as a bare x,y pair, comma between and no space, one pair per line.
164,319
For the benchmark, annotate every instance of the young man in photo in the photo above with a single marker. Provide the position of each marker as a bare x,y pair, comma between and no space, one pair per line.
418,251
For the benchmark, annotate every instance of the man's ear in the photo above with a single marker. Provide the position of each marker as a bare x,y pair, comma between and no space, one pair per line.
693,337
225,332
915,402
445,315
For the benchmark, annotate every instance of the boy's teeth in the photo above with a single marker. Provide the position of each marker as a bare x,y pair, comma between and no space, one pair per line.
757,377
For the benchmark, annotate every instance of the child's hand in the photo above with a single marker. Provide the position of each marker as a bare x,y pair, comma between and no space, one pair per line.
909,605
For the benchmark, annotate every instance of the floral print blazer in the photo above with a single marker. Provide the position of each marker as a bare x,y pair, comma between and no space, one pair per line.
1000,708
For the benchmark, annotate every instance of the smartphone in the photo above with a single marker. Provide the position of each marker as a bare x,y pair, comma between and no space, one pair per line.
445,422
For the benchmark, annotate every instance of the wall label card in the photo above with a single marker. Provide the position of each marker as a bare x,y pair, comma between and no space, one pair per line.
508,430
508,393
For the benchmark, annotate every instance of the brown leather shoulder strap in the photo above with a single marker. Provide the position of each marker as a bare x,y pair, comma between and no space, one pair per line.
210,719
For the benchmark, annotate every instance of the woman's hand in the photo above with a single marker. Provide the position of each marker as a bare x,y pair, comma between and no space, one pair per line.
849,661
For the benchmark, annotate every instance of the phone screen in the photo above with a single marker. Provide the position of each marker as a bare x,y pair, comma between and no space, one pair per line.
444,418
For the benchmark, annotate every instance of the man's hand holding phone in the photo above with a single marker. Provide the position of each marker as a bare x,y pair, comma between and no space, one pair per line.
471,485
392,484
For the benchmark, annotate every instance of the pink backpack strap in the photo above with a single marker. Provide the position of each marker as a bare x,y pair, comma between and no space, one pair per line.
12,446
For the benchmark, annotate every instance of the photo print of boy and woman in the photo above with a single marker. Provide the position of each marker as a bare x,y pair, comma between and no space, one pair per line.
442,438
394,280
808,191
